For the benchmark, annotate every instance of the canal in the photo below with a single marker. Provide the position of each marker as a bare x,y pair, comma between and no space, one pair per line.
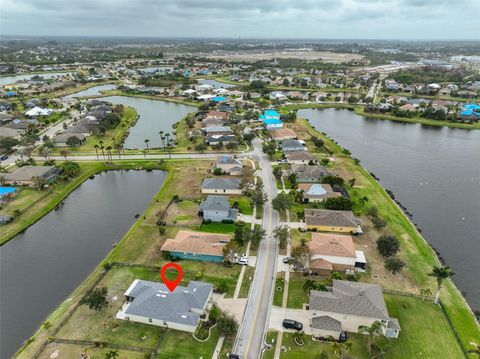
433,171
42,266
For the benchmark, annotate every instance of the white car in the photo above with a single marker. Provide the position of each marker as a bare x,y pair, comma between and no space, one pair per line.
243,261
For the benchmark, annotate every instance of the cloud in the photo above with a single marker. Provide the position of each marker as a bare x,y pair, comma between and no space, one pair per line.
248,18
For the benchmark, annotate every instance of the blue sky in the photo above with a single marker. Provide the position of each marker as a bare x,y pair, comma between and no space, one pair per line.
347,19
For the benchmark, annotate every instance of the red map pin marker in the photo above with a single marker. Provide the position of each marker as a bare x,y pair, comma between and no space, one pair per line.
171,284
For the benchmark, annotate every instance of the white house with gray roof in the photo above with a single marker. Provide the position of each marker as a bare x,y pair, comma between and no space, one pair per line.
221,185
217,209
153,303
347,306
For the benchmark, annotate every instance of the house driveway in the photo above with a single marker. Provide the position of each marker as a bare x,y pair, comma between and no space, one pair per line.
235,307
279,314
282,267
294,224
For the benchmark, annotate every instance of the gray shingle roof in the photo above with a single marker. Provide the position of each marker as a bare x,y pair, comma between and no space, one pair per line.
323,217
361,299
154,300
221,183
26,173
326,323
215,203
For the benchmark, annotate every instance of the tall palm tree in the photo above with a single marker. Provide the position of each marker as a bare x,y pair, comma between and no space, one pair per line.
162,138
109,151
103,152
96,150
440,273
372,331
146,143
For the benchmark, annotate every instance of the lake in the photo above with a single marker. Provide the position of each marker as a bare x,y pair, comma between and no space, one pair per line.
155,116
92,91
433,171
43,265
6,80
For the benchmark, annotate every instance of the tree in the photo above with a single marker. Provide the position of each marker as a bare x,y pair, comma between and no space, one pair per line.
7,144
201,147
269,148
70,169
440,273
96,299
282,202
112,354
338,203
73,141
258,196
388,245
64,153
309,285
39,182
239,236
351,182
96,149
277,172
475,350
230,250
333,180
218,171
292,179
258,234
282,235
301,256
394,265
227,325
146,143
373,331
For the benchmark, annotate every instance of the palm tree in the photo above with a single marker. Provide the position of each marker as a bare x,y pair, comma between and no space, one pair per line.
112,354
64,153
309,285
372,331
162,138
440,273
103,152
146,143
96,150
109,151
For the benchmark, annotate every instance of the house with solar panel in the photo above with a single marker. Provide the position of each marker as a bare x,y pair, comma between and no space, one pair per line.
152,303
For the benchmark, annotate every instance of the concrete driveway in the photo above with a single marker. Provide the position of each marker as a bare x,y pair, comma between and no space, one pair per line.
278,314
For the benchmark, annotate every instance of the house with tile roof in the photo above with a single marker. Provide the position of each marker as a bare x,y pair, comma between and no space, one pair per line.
152,303
348,306
201,246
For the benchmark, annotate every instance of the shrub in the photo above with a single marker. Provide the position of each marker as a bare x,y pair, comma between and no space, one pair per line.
388,246
338,203
379,222
394,265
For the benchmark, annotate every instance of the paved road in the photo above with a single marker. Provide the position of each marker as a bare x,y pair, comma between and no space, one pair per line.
250,338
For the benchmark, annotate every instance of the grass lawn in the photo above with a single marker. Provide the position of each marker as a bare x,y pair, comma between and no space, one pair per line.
312,349
247,280
270,339
74,351
243,204
425,330
215,227
177,344
278,293
296,295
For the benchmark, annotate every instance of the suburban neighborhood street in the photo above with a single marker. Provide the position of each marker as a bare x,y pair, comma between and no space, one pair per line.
250,338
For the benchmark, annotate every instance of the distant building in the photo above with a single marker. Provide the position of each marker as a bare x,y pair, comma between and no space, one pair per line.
152,303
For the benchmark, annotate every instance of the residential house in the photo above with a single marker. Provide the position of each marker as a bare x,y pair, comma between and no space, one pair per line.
292,146
219,139
38,111
200,246
221,185
332,221
25,175
271,119
61,139
229,165
348,306
408,108
154,304
316,192
217,130
10,132
281,134
309,174
300,157
333,252
217,209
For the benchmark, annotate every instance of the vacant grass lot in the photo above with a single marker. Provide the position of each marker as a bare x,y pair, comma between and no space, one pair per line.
66,351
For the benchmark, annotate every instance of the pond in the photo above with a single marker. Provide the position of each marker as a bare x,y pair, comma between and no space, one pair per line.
43,265
92,91
6,80
433,171
155,116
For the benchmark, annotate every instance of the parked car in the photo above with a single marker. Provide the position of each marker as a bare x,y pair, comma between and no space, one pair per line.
292,324
3,158
286,260
243,261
